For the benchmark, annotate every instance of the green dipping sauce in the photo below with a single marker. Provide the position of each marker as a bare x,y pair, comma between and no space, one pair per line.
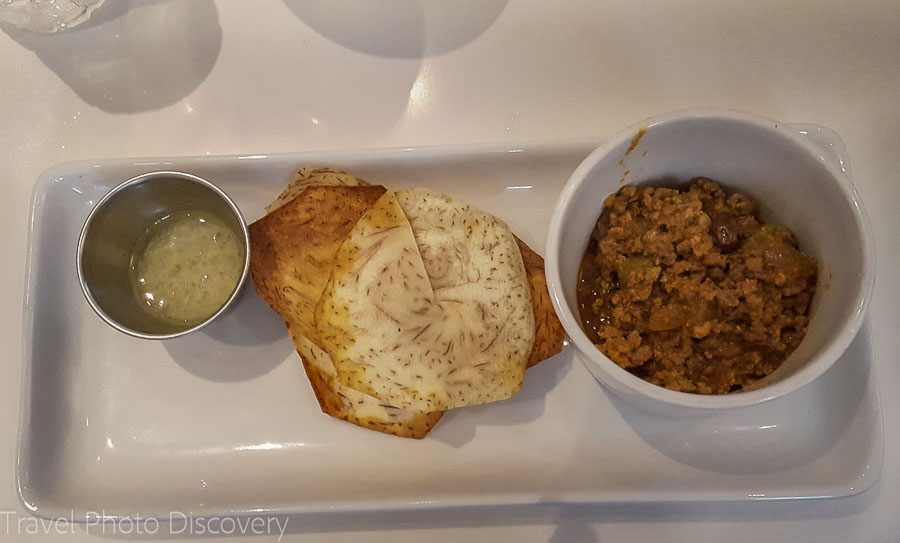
186,266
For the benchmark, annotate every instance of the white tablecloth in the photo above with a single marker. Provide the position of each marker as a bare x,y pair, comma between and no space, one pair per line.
198,77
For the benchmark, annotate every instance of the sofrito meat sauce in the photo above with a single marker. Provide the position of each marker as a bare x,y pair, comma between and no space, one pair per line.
691,291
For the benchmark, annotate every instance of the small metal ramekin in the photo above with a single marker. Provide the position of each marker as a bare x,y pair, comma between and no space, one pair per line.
107,240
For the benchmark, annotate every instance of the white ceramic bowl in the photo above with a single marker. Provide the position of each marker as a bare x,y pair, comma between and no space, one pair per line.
797,184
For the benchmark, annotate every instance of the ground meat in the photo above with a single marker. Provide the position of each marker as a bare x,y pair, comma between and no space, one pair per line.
690,290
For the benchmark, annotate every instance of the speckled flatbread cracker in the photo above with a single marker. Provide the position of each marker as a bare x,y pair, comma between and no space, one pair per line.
548,331
356,407
458,262
429,317
292,249
312,177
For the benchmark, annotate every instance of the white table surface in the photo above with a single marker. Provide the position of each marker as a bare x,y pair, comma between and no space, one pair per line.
204,77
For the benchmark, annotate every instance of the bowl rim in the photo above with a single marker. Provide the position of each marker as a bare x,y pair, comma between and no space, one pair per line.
137,180
620,378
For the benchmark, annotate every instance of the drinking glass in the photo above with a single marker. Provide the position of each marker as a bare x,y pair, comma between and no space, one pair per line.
46,15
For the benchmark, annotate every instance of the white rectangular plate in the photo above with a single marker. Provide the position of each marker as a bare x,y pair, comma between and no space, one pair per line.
223,421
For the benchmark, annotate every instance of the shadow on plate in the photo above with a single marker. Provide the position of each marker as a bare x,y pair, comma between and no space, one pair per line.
399,28
133,56
247,342
458,425
794,430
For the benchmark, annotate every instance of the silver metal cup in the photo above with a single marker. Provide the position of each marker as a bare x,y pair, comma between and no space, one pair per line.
107,244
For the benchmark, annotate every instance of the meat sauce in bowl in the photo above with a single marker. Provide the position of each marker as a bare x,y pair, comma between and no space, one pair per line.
690,290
